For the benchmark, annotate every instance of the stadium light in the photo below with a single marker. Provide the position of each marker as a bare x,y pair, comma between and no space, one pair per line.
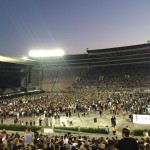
46,53
25,58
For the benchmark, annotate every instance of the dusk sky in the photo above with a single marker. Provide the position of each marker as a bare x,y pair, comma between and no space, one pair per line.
72,25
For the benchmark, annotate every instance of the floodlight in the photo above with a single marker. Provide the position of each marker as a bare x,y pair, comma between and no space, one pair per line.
46,53
25,58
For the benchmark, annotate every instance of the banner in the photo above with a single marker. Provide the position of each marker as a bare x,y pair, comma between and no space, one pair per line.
141,119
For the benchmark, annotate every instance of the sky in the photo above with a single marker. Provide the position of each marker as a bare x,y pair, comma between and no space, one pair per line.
72,25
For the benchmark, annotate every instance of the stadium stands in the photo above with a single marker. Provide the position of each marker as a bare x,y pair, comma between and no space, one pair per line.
120,67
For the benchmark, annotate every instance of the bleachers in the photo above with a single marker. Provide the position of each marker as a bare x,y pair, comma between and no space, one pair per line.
128,76
60,79
133,76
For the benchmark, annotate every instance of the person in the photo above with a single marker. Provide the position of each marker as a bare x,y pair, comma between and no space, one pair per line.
145,133
15,120
113,121
70,121
17,135
100,112
34,123
107,129
127,143
128,128
27,138
46,121
114,130
1,120
26,123
40,122
30,122
131,117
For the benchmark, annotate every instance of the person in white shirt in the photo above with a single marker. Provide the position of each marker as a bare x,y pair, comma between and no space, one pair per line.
146,133
65,139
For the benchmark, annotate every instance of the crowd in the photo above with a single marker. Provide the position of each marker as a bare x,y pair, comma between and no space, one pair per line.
81,103
130,76
41,141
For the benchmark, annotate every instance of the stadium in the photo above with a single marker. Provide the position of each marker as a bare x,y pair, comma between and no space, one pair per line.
83,90
117,68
